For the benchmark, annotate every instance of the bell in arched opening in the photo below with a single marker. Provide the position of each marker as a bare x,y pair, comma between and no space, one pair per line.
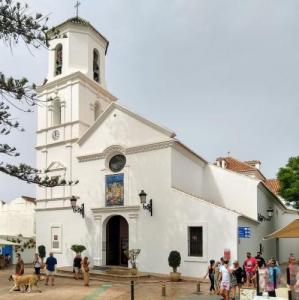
96,66
58,59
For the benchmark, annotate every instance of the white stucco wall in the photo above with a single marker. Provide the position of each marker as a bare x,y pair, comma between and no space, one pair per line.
119,128
230,189
287,246
17,217
187,172
175,214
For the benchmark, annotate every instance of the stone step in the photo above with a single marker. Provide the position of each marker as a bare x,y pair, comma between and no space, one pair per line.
104,275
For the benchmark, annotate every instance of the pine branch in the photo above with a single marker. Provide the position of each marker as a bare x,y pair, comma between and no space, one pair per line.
32,175
18,24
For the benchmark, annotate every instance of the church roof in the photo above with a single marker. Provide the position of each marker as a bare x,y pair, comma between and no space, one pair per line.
273,185
104,115
81,21
236,165
245,167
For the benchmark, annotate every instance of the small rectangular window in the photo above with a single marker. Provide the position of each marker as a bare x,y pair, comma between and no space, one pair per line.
195,241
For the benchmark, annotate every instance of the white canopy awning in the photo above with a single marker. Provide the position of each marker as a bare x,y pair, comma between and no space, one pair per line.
289,231
8,243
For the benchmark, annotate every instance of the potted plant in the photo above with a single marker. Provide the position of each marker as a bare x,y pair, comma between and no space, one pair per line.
132,256
174,261
42,254
78,248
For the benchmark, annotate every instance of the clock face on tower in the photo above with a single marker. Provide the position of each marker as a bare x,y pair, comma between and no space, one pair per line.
55,135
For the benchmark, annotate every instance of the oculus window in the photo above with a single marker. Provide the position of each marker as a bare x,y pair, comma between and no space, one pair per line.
195,241
117,163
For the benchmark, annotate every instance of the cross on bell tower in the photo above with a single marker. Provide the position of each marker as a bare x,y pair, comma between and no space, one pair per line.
77,8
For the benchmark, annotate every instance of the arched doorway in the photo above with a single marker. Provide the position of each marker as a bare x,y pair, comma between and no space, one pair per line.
117,241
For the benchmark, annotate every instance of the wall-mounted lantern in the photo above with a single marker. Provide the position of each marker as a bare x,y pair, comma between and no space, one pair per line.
77,209
149,206
262,218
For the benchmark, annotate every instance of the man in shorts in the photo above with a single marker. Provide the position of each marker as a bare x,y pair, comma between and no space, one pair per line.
51,263
250,266
77,265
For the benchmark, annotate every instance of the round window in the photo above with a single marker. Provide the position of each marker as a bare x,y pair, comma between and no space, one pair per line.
117,163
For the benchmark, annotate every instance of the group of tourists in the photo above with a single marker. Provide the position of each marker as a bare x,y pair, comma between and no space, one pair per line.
227,279
80,266
50,266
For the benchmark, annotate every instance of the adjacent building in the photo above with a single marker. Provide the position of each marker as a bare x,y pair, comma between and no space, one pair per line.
17,221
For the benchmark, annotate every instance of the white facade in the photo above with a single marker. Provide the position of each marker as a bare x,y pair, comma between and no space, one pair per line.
17,220
17,217
78,142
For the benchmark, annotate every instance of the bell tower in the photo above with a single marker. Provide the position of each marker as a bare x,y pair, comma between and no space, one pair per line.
78,46
73,96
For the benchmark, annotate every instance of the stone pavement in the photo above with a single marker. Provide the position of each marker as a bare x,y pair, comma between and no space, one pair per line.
68,288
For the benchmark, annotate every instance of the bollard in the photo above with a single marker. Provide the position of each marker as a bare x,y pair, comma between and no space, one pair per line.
258,293
290,293
290,296
198,287
132,289
288,276
163,289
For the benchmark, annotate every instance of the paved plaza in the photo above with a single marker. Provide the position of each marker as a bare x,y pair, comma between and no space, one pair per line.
68,288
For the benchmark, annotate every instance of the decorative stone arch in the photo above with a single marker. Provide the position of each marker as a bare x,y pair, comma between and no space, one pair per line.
114,149
101,216
109,152
115,239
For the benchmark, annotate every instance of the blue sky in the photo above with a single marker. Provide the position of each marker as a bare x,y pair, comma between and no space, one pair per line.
222,74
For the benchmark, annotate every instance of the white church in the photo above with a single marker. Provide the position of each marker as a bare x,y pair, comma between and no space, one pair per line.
119,157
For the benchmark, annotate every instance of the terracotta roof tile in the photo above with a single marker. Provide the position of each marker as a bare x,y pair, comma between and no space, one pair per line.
273,185
252,163
80,21
236,165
